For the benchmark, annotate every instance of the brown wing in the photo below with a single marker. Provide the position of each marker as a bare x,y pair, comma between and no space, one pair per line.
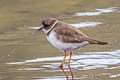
68,33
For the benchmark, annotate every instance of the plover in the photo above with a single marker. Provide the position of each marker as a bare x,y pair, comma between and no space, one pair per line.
65,37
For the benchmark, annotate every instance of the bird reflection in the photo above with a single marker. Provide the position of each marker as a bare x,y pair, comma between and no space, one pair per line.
71,73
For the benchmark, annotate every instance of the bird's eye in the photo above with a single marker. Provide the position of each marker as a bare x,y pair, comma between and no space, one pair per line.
44,24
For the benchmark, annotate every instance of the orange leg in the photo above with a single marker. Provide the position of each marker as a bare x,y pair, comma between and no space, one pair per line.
64,73
71,72
69,58
61,65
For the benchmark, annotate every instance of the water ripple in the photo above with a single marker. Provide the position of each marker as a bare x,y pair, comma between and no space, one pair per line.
113,76
87,61
86,24
97,12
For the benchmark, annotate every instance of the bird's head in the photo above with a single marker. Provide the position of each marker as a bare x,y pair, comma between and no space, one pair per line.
47,24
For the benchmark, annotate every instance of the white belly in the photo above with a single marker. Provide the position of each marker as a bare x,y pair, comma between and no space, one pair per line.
64,46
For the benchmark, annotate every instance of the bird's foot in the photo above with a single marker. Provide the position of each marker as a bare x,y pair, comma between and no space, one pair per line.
61,66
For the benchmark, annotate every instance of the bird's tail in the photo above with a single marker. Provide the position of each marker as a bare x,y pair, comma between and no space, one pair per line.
93,41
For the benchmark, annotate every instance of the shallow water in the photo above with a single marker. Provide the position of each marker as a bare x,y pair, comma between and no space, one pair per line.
25,54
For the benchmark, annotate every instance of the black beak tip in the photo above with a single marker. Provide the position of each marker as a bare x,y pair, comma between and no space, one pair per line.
39,29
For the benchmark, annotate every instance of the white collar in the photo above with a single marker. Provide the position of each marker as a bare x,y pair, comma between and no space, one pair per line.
49,30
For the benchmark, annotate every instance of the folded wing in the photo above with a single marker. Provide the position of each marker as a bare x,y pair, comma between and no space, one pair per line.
70,34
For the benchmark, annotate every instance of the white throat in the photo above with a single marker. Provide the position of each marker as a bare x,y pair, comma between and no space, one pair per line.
47,31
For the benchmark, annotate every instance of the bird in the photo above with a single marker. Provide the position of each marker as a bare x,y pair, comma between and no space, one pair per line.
65,37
